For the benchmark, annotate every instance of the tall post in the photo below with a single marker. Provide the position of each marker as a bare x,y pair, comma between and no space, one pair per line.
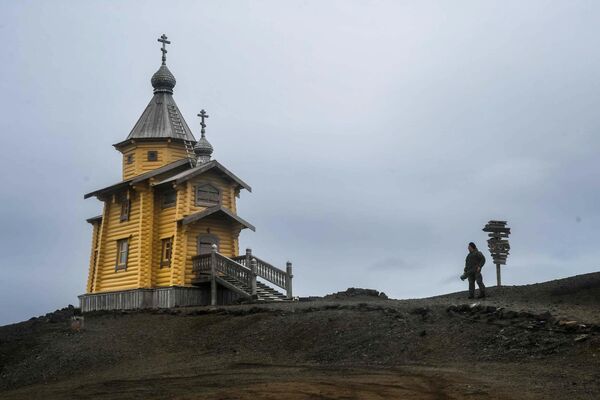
499,282
213,278
253,278
248,257
288,280
498,244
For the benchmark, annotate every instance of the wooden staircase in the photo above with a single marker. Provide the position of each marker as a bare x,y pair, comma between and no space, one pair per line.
241,275
263,292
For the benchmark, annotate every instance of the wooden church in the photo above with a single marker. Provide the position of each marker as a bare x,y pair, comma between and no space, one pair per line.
168,233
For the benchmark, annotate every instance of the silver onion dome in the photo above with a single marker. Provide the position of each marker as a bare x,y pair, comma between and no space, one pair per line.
163,80
203,149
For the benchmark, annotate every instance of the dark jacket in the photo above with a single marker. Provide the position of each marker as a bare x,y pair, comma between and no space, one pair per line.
474,260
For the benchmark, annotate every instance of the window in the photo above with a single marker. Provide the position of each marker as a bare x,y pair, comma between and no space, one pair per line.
129,158
153,155
167,251
205,243
207,195
122,254
125,208
169,199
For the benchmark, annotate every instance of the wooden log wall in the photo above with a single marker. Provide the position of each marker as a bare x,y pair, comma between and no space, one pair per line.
166,152
113,229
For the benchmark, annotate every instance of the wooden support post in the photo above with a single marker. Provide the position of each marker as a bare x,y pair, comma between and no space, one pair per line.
499,282
213,278
253,269
288,279
248,257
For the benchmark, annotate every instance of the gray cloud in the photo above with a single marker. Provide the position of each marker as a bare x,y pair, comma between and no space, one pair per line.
368,131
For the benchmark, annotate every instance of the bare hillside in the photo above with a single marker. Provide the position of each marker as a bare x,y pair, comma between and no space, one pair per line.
531,342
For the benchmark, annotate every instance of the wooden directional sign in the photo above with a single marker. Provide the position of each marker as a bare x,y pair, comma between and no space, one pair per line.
498,243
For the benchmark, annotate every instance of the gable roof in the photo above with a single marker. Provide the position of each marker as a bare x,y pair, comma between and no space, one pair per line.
201,168
160,120
214,211
140,178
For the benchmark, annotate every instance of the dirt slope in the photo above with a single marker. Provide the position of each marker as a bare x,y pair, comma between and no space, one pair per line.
531,342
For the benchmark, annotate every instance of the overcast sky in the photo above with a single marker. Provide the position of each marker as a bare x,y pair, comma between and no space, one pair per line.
379,137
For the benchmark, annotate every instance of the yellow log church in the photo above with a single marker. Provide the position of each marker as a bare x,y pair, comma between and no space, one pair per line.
168,233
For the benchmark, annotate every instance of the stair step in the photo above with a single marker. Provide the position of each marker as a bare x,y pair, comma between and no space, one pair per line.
264,292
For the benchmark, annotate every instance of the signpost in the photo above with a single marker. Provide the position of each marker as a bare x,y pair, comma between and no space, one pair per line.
498,244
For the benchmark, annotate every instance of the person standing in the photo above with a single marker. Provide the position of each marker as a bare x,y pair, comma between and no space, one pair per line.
473,264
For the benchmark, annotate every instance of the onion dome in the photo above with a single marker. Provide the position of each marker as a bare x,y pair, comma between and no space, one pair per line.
203,149
163,80
161,119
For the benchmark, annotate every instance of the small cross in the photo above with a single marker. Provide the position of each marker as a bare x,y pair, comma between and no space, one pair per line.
164,41
202,116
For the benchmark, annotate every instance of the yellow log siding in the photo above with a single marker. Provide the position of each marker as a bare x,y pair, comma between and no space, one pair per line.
146,228
179,247
93,256
101,239
113,229
164,220
226,188
166,153
225,230
149,223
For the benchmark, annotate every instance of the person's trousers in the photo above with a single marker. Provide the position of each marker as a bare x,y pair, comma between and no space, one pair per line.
476,277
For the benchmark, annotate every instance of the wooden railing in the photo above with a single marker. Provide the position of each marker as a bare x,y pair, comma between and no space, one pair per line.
268,272
234,270
223,265
244,269
271,273
201,264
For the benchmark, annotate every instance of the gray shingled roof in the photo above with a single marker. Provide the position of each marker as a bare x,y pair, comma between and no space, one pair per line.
184,162
201,168
217,210
161,119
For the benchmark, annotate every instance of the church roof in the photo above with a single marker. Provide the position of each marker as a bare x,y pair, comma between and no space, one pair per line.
201,168
161,119
217,210
140,178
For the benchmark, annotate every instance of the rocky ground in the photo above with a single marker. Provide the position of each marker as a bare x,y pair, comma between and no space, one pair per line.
528,342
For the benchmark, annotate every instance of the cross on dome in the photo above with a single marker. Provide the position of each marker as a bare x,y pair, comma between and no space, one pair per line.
165,42
202,116
203,148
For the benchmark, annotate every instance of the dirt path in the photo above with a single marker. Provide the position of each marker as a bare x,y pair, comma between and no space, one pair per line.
276,382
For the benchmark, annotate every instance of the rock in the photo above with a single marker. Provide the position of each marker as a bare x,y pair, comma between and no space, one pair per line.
569,326
357,292
490,309
582,338
463,308
564,322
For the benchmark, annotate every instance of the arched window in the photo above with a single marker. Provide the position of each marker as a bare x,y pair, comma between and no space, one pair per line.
207,195
205,243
